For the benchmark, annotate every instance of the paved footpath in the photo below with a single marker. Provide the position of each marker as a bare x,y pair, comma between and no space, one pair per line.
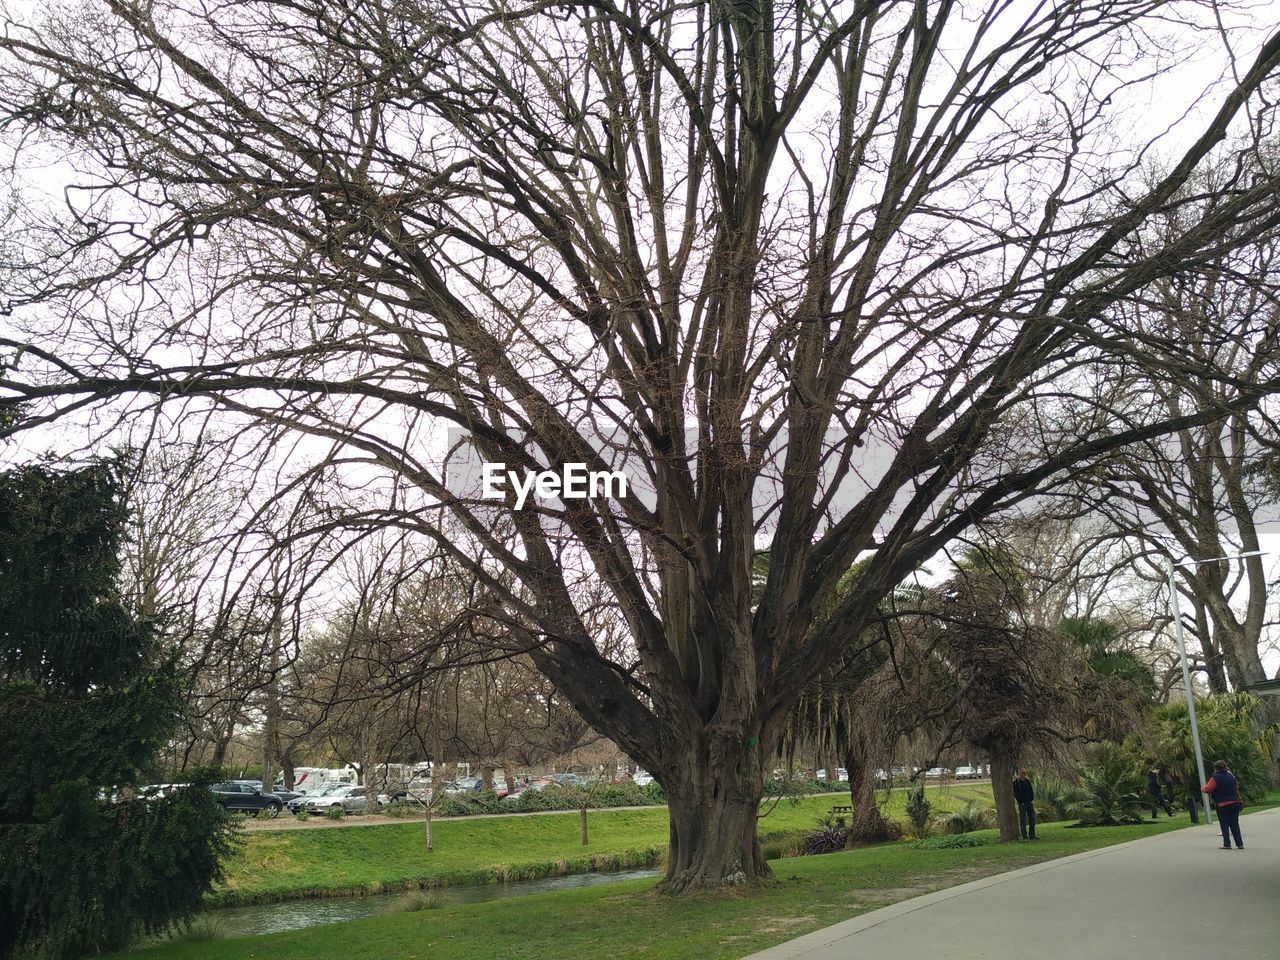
1172,897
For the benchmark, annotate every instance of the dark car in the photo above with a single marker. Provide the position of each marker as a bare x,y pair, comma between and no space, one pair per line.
246,797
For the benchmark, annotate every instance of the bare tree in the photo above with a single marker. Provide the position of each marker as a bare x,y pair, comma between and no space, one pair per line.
799,268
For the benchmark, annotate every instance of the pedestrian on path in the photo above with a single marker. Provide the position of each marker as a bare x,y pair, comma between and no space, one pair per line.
1225,790
1025,795
1156,790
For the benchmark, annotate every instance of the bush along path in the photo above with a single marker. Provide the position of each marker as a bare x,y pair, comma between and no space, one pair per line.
293,864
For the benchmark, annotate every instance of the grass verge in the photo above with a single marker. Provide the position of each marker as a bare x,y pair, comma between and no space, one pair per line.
808,893
284,865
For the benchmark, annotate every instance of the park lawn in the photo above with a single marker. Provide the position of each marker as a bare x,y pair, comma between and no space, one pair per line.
289,864
630,920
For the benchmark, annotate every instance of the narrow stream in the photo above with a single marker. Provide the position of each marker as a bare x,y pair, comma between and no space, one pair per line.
296,914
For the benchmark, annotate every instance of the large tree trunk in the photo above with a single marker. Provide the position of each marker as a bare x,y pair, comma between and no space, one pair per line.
1213,665
713,808
509,774
1004,764
271,714
867,825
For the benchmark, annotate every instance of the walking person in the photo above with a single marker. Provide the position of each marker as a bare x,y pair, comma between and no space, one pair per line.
1025,795
1225,790
1156,790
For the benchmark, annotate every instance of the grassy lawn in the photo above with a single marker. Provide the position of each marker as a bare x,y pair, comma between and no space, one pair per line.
278,865
629,920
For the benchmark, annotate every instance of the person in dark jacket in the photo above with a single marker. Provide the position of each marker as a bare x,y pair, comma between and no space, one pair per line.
1025,795
1224,789
1156,790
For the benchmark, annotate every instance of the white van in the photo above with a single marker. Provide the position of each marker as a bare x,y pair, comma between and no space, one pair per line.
311,780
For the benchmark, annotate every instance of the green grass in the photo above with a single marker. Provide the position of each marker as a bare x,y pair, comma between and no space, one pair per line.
630,920
287,864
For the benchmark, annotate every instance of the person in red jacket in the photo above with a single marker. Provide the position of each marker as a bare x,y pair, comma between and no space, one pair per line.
1225,790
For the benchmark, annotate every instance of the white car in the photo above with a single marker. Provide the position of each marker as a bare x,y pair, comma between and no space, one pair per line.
642,778
968,773
936,772
349,797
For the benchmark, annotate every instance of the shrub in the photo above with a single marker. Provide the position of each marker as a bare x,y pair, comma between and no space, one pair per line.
552,798
302,816
969,816
449,807
1055,798
654,793
828,838
267,813
788,787
918,810
429,898
625,794
399,809
1233,728
335,813
953,841
485,801
201,928
1110,789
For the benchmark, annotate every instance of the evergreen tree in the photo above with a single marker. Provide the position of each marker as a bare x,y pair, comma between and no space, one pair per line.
87,697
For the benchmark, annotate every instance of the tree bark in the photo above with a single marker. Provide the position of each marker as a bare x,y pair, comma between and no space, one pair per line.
1004,764
509,774
713,808
867,825
1213,666
271,710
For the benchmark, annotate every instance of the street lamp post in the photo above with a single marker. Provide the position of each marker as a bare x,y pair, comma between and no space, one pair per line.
1186,670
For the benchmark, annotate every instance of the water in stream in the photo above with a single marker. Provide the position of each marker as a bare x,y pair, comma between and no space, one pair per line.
295,914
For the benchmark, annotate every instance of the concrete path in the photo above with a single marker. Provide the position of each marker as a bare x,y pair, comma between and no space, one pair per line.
1171,897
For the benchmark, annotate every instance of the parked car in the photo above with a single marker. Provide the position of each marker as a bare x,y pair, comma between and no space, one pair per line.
286,795
349,797
936,772
968,773
642,778
357,801
301,801
881,776
247,798
536,786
